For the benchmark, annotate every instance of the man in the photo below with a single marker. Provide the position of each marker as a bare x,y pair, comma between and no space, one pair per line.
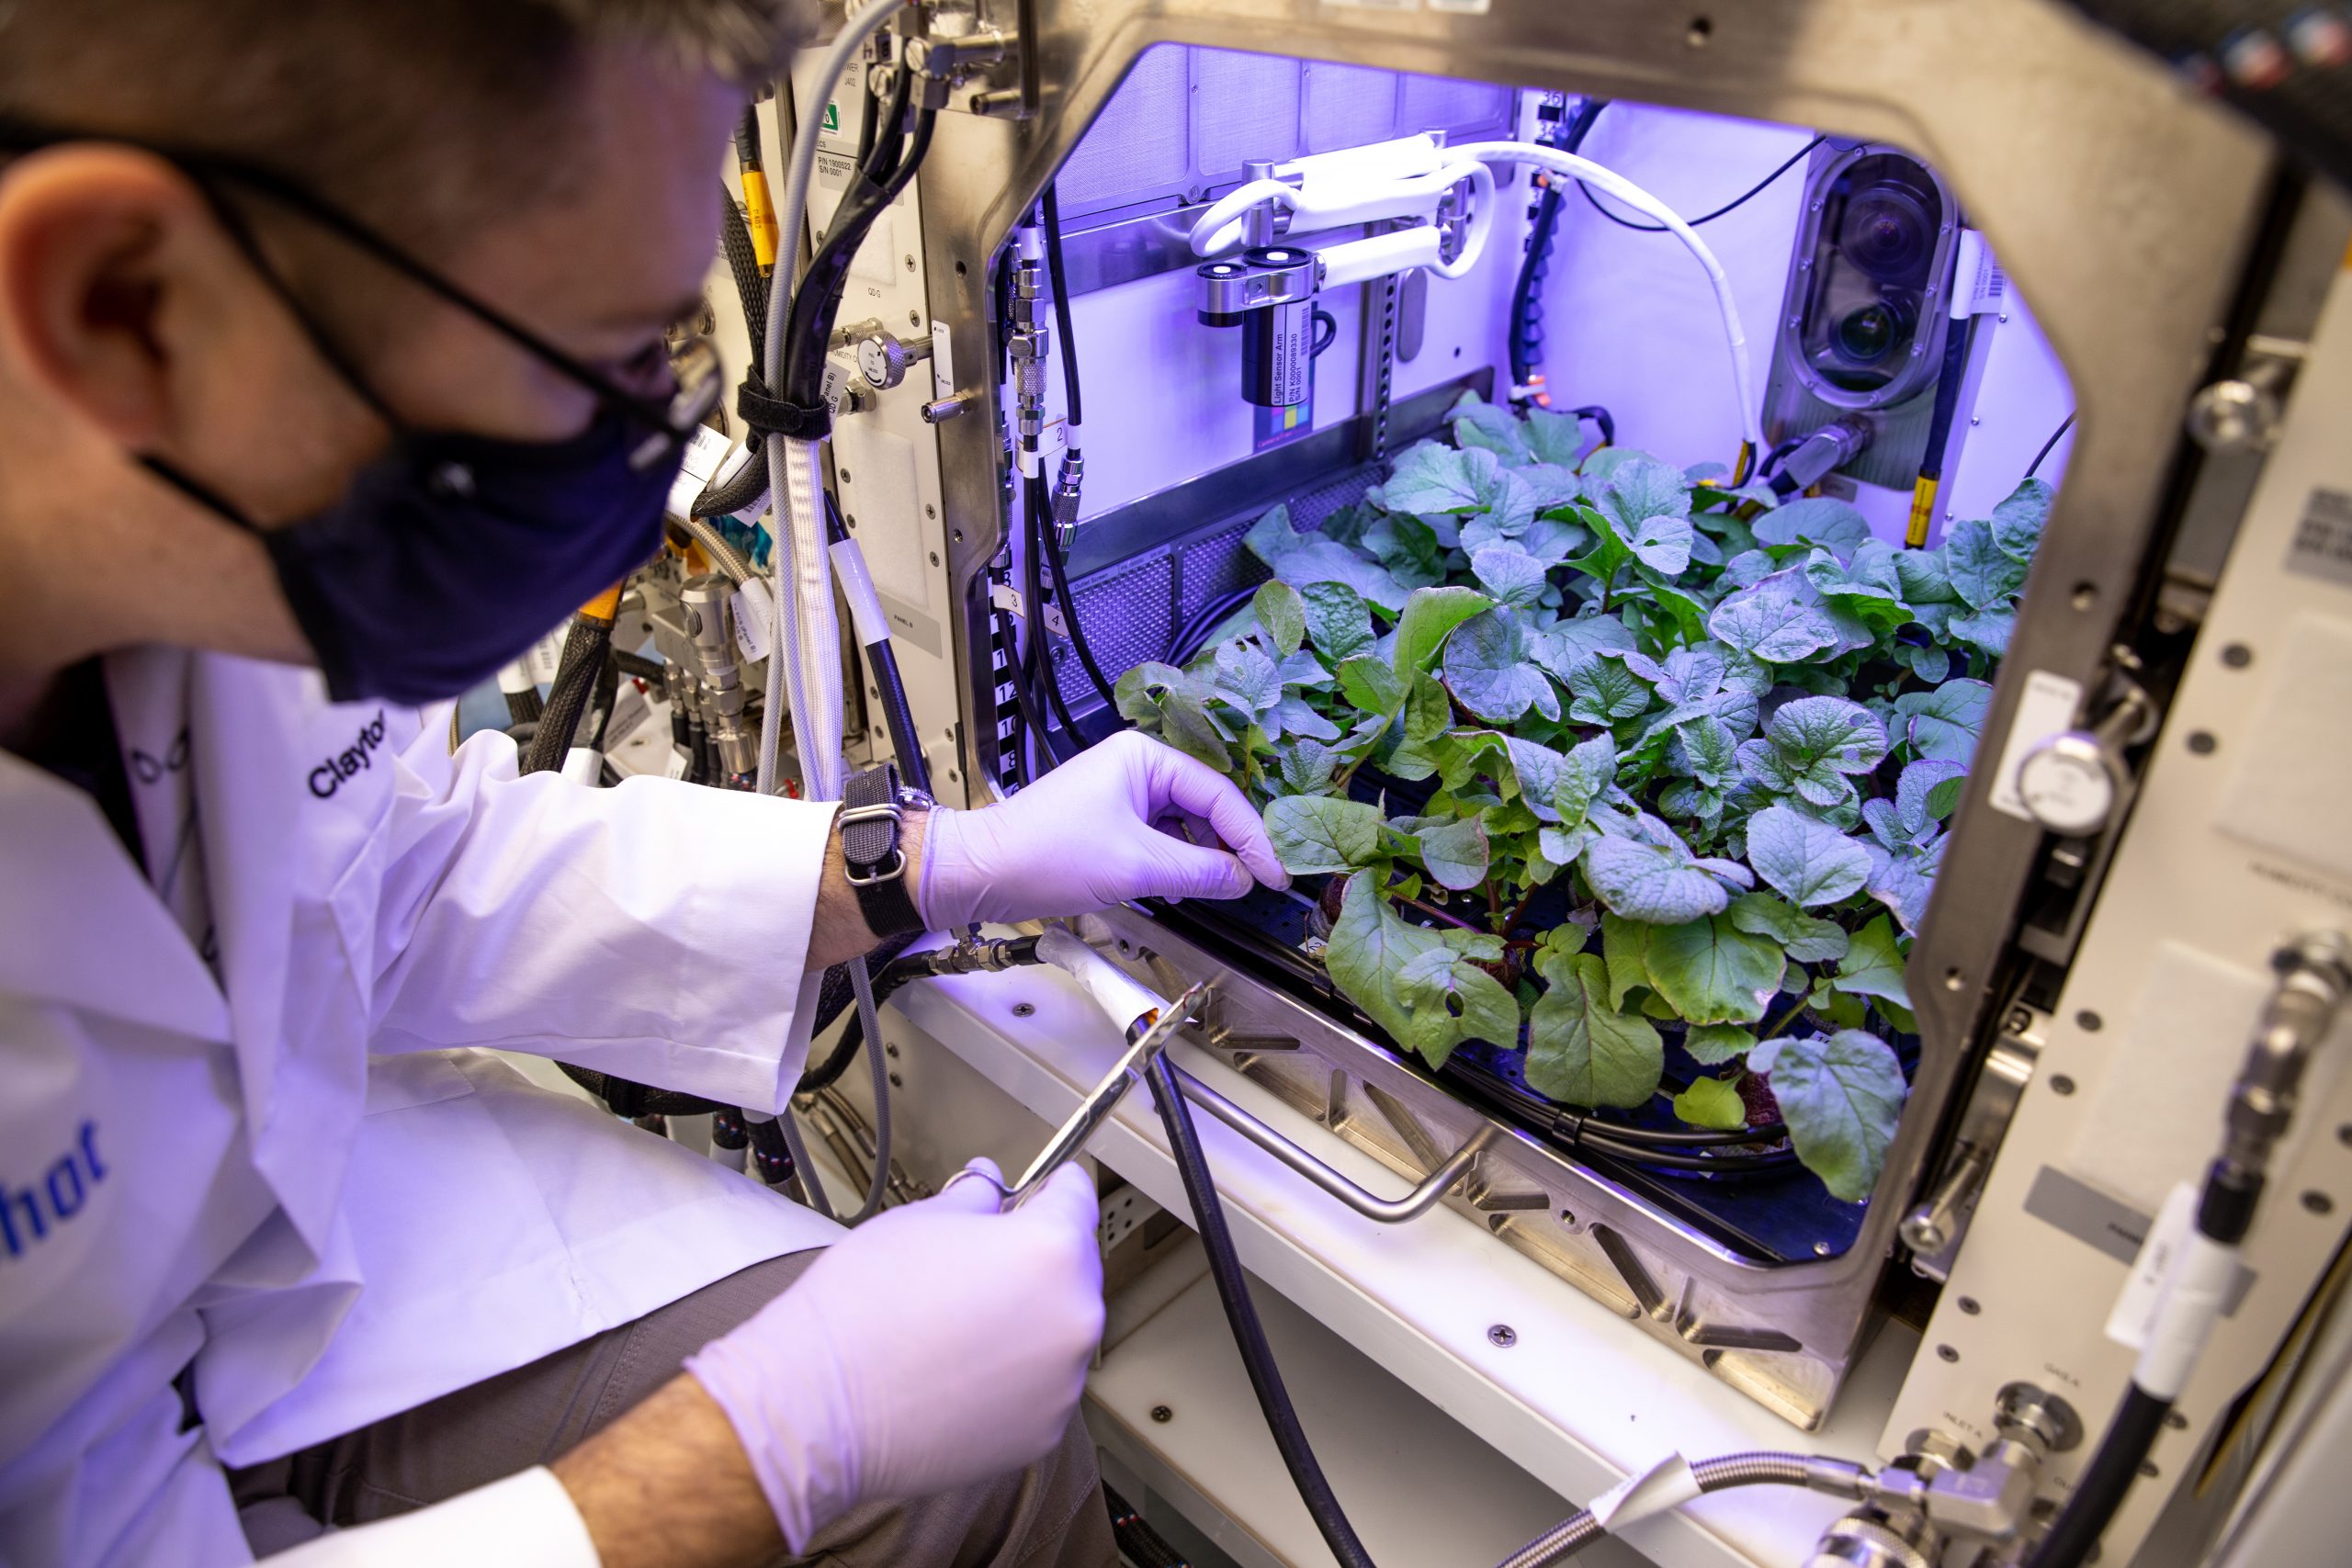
331,336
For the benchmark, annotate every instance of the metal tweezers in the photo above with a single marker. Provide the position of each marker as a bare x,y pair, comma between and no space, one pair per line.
1096,1108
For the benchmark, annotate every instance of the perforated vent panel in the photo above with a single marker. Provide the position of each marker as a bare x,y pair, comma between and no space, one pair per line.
1187,119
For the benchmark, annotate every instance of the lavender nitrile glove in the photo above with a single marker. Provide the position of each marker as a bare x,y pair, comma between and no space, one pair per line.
939,1345
1087,836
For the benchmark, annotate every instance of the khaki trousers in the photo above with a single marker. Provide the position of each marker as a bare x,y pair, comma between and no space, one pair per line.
1049,1515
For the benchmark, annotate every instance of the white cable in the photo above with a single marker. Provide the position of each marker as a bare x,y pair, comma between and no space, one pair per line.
807,640
1634,195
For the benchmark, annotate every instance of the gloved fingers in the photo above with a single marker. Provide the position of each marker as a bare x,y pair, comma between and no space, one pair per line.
1067,1202
1170,868
1192,785
977,1188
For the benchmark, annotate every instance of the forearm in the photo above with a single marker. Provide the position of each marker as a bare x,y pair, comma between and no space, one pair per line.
839,933
668,1486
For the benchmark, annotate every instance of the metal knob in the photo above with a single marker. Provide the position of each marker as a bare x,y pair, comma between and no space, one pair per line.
883,359
2070,782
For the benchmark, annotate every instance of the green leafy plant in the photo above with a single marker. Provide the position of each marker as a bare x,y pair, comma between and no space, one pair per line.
1605,757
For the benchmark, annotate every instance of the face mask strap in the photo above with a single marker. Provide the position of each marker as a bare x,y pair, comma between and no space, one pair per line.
196,491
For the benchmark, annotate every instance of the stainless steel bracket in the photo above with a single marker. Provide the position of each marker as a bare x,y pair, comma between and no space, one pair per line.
1385,1210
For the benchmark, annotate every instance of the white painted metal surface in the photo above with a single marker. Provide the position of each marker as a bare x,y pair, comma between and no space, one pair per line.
2240,839
1578,1401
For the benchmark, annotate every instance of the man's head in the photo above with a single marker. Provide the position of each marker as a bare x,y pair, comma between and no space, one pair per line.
559,159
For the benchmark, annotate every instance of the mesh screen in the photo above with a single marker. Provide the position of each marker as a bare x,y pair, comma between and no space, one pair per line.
1348,105
1433,103
1127,611
1248,107
1143,139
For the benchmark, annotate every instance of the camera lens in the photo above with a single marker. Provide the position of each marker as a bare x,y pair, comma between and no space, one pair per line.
1889,233
1868,334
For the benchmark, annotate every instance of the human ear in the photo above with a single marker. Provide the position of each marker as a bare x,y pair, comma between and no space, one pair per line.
110,258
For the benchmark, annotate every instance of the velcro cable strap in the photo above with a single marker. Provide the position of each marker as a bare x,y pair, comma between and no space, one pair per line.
771,415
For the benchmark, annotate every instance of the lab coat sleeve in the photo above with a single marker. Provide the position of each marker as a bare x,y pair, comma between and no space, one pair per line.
524,1522
657,930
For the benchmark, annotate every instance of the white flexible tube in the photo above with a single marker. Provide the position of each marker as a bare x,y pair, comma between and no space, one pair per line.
1634,195
808,641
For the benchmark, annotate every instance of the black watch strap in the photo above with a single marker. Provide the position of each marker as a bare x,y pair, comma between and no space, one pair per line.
873,808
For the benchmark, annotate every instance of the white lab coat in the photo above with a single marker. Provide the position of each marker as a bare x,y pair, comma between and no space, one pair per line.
296,1177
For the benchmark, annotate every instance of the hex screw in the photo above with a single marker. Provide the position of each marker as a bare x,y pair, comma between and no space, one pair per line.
1503,1336
2237,656
1025,1010
1970,1305
2088,1021
2202,742
1945,1352
1161,1414
2062,1084
2319,1202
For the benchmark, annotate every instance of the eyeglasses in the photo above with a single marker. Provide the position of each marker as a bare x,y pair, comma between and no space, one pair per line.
670,421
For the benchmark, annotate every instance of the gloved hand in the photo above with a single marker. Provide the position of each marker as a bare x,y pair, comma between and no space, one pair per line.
1088,835
938,1345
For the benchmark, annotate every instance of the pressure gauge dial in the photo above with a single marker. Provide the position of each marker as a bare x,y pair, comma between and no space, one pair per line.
2070,783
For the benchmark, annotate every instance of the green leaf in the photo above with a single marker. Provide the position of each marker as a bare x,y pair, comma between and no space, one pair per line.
1771,624
1554,437
1484,425
1430,617
1711,1103
1927,791
1320,561
1661,544
1639,489
1186,725
1586,774
1987,631
1371,685
1581,1049
1842,1098
2017,522
1431,478
1137,691
1711,972
1713,1044
1314,833
1428,714
1283,614
1808,939
1272,537
1656,883
1813,520
1305,768
1873,965
1338,622
1455,854
1984,576
1605,690
1827,733
1450,999
1624,944
1488,666
1247,678
1943,724
1805,860
1561,648
1515,578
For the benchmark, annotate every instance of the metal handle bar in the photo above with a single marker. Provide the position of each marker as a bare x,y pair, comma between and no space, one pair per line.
1386,1211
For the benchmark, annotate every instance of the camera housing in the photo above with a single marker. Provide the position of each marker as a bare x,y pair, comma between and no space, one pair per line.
1866,314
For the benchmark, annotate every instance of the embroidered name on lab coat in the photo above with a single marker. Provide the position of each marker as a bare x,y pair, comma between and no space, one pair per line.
28,1213
351,761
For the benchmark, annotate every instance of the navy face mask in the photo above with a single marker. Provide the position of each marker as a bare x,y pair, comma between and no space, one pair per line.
450,554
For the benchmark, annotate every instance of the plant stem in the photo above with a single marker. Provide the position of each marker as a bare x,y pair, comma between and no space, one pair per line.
1786,1019
1433,909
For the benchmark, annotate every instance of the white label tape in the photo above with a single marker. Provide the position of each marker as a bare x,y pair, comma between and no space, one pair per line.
753,635
2134,1314
2046,708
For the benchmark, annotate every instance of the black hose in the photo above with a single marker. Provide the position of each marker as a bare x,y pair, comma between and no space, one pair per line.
1032,726
817,299
1061,308
1046,535
1601,417
1327,333
751,481
1035,663
625,1096
2100,1489
2051,445
771,1155
880,160
576,674
526,706
837,1062
883,664
1249,1334
1731,206
1189,637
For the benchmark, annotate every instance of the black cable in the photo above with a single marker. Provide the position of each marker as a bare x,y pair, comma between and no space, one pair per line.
817,299
2099,1490
1327,333
1601,417
576,675
882,663
1036,665
1189,637
1047,534
1751,192
638,667
838,1060
867,132
1241,1313
1055,281
1031,725
771,1155
881,160
2050,446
